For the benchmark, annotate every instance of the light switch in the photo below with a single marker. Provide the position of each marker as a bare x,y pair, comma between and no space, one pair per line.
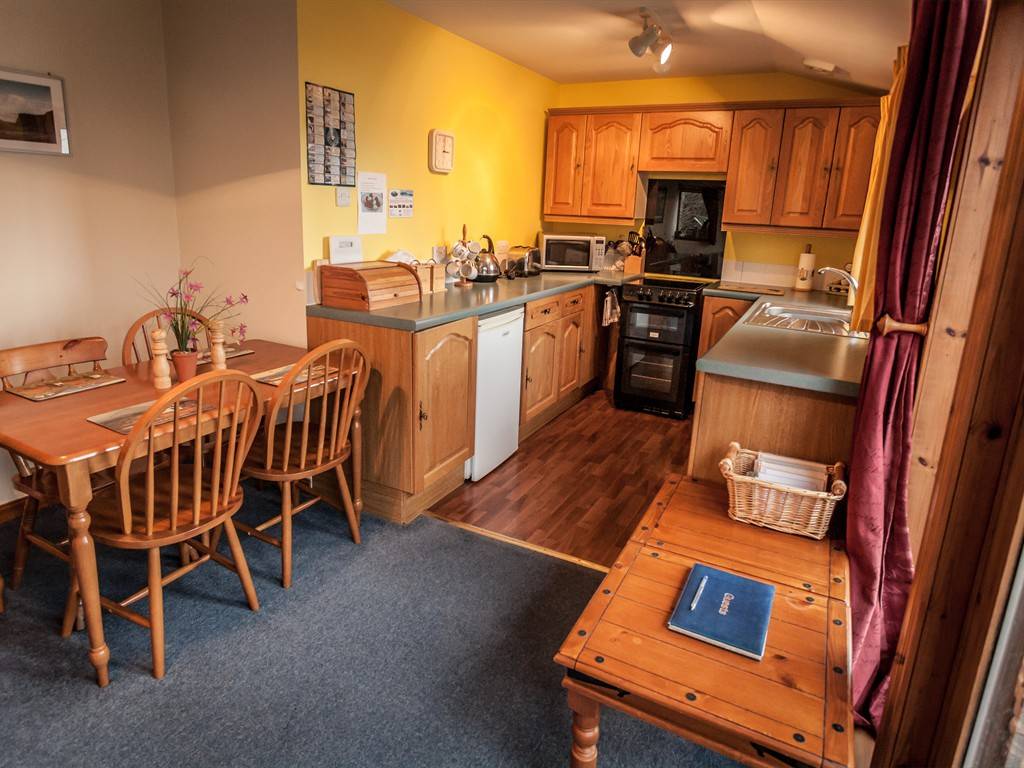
343,197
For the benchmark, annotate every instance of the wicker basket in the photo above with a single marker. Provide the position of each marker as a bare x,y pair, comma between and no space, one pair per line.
791,510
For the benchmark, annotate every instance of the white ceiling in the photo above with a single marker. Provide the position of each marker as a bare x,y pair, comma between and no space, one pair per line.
585,40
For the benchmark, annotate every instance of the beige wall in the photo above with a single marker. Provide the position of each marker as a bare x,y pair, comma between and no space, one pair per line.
76,232
232,72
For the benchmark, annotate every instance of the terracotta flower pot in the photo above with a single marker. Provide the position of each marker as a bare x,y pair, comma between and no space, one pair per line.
184,364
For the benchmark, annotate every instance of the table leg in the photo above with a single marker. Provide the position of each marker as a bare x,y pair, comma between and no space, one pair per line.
586,718
357,463
75,494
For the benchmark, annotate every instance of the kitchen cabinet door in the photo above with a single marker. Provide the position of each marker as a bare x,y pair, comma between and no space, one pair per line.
570,353
609,165
563,165
540,370
719,315
444,409
590,339
851,167
753,165
805,164
685,141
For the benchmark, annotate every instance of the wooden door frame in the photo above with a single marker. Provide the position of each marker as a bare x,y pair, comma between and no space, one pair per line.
973,529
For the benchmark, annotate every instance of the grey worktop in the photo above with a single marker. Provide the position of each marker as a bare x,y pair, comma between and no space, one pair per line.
479,299
800,359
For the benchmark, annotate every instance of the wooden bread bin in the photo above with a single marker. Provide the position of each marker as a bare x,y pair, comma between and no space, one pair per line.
368,285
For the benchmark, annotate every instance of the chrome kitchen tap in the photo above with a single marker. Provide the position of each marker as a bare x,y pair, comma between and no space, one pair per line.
854,285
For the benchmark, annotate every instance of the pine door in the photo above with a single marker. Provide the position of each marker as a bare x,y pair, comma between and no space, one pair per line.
753,165
609,165
563,165
851,167
805,165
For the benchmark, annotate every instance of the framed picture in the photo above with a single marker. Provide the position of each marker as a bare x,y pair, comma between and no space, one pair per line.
330,136
32,115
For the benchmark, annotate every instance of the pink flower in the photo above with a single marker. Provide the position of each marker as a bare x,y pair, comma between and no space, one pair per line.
173,293
184,272
243,299
195,287
229,300
240,331
187,297
193,325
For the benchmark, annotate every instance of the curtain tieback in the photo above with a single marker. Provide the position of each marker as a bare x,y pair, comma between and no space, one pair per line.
887,325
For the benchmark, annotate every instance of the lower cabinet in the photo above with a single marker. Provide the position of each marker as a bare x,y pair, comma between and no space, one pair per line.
540,368
445,387
559,355
570,350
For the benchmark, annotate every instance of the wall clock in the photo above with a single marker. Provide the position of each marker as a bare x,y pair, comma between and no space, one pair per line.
442,151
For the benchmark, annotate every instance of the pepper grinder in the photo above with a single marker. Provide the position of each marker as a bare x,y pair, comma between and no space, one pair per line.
217,356
159,367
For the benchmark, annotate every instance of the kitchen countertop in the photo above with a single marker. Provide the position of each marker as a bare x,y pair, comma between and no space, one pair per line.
479,299
801,359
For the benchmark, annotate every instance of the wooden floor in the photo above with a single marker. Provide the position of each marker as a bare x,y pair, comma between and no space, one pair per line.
577,486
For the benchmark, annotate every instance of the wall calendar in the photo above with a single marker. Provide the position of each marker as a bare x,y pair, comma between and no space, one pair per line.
330,136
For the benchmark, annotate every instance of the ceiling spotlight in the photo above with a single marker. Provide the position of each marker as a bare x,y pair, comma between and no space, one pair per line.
662,49
642,42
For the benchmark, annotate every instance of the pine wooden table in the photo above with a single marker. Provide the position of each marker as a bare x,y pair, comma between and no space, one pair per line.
56,434
790,709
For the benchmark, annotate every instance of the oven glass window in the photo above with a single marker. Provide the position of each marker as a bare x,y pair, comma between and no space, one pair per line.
649,323
568,253
651,372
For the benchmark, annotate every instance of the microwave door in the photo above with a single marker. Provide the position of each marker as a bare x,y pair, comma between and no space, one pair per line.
567,254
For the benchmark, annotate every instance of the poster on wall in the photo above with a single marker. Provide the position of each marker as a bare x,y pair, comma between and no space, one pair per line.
330,136
373,218
400,204
32,113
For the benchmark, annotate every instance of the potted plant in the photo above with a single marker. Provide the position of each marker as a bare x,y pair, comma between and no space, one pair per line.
181,304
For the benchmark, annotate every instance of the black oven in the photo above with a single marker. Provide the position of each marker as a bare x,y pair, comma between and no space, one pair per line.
654,376
651,322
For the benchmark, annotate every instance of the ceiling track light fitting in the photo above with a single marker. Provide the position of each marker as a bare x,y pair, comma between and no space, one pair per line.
640,44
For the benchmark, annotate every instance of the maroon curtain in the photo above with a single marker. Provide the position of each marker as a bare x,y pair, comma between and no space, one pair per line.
943,42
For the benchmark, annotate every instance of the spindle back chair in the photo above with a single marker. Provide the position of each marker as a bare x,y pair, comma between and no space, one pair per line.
138,343
194,489
29,364
306,432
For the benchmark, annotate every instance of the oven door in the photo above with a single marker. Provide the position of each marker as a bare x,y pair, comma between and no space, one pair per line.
653,373
666,325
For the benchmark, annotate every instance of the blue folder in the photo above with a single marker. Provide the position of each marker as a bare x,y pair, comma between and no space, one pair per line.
730,611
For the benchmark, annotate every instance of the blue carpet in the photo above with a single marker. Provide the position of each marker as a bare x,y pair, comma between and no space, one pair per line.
426,646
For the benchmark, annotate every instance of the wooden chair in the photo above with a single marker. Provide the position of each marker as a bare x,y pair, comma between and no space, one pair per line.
153,505
292,449
138,345
26,365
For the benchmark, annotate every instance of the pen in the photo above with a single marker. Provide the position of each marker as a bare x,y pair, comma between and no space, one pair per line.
700,589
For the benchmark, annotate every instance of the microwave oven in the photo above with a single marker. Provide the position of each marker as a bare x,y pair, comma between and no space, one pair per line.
572,253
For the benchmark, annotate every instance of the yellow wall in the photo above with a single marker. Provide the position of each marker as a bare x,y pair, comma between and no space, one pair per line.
409,76
769,86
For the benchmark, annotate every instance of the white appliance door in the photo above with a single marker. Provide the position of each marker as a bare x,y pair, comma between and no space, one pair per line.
499,366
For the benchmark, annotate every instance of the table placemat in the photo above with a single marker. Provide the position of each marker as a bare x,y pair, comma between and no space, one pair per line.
229,352
123,419
67,385
274,376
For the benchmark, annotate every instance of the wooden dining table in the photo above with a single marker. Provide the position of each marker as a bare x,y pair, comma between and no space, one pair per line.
56,434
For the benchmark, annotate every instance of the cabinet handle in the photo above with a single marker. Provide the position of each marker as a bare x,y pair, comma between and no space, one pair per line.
423,416
827,169
546,311
772,166
528,379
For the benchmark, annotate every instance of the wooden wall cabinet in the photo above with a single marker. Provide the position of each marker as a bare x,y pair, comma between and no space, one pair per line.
851,167
609,165
805,165
753,166
685,141
445,388
563,164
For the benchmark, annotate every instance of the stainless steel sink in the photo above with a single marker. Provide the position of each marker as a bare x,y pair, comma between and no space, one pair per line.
800,317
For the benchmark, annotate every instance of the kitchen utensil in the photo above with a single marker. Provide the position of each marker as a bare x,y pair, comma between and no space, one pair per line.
468,270
488,268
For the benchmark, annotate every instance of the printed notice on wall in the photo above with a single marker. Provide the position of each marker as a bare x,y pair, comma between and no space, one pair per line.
400,204
373,219
330,136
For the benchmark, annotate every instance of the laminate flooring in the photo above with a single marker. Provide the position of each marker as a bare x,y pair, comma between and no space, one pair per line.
578,486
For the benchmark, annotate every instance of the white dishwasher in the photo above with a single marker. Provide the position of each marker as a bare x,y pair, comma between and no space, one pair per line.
499,367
